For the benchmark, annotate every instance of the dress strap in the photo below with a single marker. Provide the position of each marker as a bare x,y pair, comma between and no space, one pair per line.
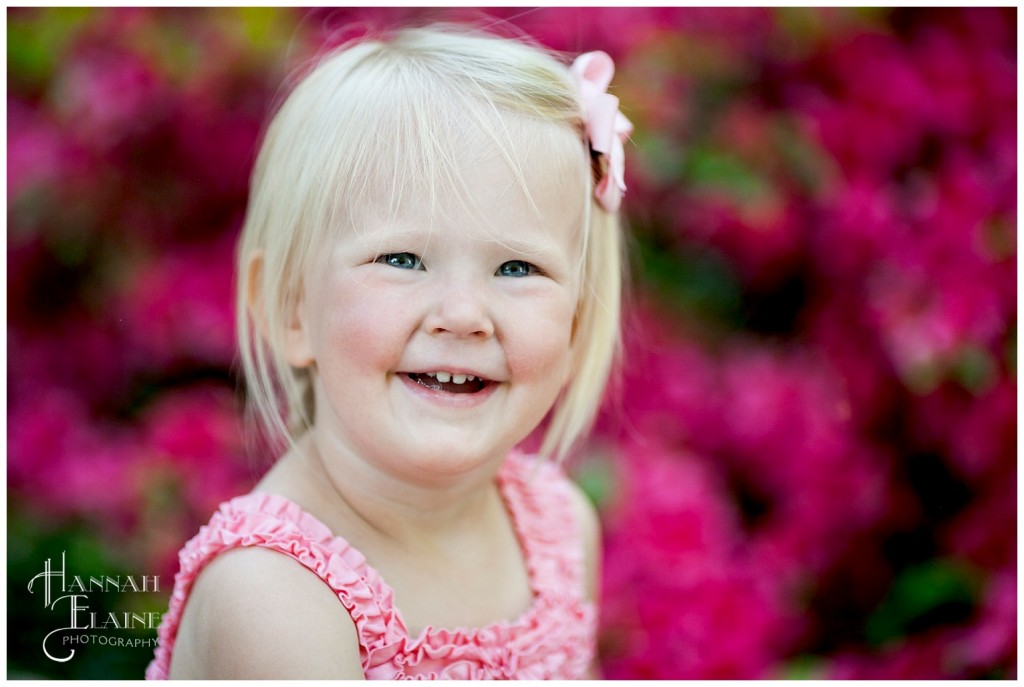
537,493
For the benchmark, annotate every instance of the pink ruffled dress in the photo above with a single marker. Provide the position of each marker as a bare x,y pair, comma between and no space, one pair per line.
553,639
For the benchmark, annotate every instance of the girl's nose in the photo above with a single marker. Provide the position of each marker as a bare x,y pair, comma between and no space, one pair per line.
460,310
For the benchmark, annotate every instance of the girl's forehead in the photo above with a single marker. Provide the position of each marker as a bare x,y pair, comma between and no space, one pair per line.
529,193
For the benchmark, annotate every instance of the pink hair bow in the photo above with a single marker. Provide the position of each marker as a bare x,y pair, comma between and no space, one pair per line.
607,128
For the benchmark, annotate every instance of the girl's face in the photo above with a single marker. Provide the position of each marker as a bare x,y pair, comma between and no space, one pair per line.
439,341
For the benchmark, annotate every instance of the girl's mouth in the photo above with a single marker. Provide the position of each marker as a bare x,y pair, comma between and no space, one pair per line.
448,382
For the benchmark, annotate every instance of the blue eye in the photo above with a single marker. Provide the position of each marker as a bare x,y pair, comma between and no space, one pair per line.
403,261
517,268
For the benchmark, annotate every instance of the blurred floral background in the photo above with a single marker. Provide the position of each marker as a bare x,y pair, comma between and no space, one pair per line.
807,467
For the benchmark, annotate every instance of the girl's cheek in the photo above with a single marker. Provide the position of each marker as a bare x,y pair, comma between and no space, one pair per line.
364,323
541,345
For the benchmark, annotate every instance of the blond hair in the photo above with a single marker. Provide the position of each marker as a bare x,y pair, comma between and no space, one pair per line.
372,120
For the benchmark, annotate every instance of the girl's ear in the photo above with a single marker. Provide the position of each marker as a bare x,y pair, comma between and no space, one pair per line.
297,349
254,293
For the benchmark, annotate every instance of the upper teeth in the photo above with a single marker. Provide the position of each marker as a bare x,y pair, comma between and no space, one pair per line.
445,377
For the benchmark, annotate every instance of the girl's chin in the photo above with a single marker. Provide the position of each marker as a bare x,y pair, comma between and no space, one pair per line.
443,462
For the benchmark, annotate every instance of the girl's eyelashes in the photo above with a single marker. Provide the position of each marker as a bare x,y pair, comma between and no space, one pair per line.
518,268
403,261
411,261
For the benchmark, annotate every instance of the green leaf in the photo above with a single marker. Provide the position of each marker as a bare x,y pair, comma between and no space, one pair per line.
692,279
595,477
975,369
804,667
804,161
923,596
717,169
37,41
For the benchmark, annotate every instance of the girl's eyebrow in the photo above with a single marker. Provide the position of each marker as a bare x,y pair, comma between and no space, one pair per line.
545,245
394,237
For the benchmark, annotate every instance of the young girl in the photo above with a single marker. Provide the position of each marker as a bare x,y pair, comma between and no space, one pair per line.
429,265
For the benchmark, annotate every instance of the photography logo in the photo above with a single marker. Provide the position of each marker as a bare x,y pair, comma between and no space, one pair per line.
68,595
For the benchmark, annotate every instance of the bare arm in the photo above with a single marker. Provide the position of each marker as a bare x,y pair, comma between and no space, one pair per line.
257,614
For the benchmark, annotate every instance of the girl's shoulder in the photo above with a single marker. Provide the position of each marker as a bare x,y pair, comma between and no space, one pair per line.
237,595
253,613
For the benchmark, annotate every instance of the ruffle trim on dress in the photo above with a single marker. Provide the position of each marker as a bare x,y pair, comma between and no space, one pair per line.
273,522
551,639
538,498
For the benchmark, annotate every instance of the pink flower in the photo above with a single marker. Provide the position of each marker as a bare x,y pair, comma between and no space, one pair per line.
675,577
65,463
39,155
197,432
193,459
927,656
859,226
179,306
109,95
976,431
992,640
